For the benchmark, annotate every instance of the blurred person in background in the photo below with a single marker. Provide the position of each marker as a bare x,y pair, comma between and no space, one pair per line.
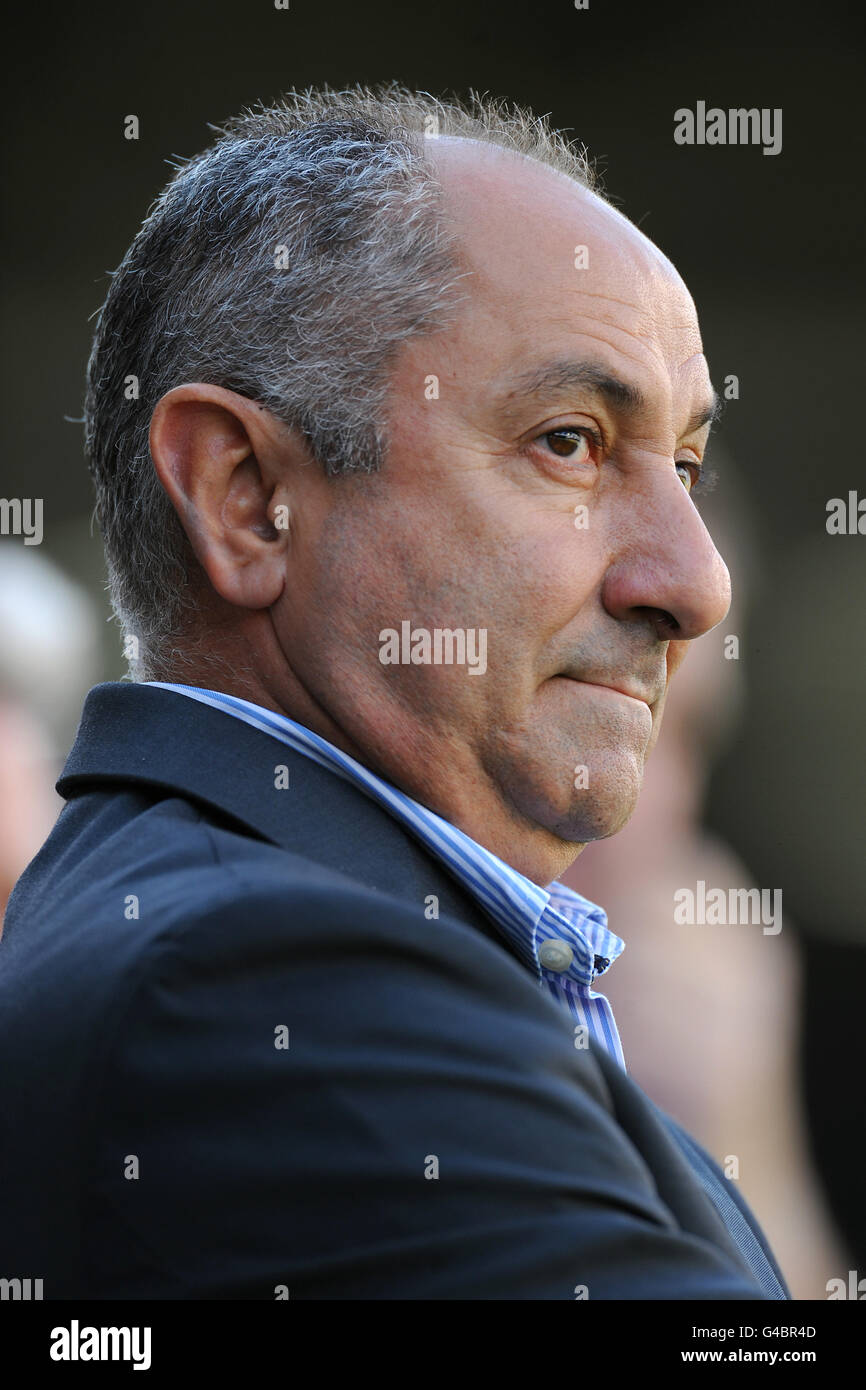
802,748
710,1012
49,657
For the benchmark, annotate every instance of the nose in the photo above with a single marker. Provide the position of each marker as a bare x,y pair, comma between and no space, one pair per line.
665,567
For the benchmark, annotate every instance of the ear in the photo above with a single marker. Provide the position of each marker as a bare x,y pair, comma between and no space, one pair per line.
226,464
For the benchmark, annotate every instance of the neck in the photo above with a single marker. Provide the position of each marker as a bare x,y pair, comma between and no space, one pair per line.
460,793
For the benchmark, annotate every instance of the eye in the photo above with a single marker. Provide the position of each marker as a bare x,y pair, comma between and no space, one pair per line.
571,442
690,472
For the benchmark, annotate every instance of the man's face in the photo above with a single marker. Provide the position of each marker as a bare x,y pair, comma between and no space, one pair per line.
542,497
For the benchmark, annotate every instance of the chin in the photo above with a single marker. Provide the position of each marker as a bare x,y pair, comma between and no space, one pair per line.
536,764
579,815
594,819
607,804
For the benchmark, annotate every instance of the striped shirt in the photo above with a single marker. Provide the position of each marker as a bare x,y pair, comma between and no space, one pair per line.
559,936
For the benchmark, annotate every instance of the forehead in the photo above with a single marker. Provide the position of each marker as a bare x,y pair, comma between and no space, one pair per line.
521,226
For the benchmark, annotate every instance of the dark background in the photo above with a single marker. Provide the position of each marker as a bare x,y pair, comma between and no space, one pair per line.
770,246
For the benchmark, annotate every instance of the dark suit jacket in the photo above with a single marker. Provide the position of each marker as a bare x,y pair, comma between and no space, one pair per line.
157,1143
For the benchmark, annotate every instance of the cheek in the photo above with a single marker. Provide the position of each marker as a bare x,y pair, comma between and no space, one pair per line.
394,554
549,579
339,583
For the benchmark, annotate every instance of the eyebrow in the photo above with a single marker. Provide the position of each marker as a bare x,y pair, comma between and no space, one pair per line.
593,377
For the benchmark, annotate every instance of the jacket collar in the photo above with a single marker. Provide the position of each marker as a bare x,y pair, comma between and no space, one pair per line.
139,736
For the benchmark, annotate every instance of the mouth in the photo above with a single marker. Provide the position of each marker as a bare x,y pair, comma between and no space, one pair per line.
625,689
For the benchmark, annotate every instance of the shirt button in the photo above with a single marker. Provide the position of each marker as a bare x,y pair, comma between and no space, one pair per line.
556,955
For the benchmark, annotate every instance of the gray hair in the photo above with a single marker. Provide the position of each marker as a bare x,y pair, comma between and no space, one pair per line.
287,262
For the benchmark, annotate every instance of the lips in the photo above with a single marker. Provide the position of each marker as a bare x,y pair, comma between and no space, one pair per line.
629,688
621,690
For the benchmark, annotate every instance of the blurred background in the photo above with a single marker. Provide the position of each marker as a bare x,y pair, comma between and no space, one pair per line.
751,1040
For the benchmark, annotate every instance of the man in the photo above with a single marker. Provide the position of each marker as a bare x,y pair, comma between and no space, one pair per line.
394,423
